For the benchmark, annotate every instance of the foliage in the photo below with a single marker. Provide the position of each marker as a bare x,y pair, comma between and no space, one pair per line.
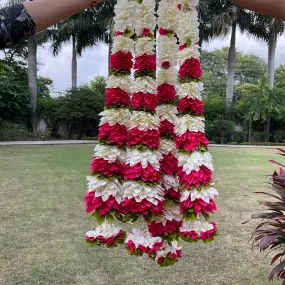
279,136
215,107
220,130
13,132
260,137
239,136
270,233
14,90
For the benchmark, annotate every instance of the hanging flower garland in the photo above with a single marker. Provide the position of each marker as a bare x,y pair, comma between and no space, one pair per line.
143,196
104,196
167,226
195,168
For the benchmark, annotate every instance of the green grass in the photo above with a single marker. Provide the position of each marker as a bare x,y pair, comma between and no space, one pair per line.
43,223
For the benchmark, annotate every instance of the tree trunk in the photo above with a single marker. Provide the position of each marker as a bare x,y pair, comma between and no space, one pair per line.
272,45
74,64
110,47
33,79
231,71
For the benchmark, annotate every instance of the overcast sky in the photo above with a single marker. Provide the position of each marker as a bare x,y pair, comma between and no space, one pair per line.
94,61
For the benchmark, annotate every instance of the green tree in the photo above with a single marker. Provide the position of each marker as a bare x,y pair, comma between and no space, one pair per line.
14,90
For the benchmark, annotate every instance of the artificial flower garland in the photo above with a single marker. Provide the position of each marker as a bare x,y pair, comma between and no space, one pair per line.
195,168
152,159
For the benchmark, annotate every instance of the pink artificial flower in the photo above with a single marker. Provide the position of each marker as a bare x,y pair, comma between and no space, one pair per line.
198,206
172,194
190,141
146,174
163,31
96,203
149,138
145,62
158,229
146,31
166,92
121,61
166,128
209,234
169,164
115,134
196,178
144,100
117,97
191,68
99,165
195,106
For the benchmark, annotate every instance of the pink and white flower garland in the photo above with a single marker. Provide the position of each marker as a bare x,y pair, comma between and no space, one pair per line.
195,168
105,192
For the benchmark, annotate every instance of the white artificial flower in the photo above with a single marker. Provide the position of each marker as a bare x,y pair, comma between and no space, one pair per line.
168,76
191,90
187,53
145,16
170,213
124,15
105,188
122,43
170,182
168,15
206,194
123,82
167,146
194,161
142,237
144,84
109,153
199,226
167,112
144,46
115,116
148,157
105,230
143,121
189,123
168,249
140,191
167,50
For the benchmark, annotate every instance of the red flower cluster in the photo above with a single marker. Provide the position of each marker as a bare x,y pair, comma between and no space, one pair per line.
163,31
171,193
147,174
166,92
166,128
199,206
121,61
108,241
96,203
160,229
190,141
191,68
173,256
99,165
145,62
196,178
192,234
194,106
142,249
117,97
166,64
115,134
149,138
169,164
144,100
130,206
209,234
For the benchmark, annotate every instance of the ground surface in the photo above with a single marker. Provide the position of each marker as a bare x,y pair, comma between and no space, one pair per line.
42,224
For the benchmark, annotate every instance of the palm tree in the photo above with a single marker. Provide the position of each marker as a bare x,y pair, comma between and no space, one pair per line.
219,18
83,31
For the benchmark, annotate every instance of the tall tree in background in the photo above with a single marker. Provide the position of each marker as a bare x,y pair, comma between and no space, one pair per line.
221,17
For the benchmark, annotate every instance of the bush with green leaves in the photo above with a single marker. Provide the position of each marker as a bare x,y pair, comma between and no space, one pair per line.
220,131
10,131
279,136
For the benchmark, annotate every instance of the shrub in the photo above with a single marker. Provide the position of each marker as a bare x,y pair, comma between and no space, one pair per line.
220,130
260,137
279,136
239,136
10,131
42,135
270,233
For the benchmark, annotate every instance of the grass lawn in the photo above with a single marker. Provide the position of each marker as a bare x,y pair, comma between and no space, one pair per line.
43,223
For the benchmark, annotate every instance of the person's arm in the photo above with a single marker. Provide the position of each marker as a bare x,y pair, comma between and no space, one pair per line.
273,8
46,13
